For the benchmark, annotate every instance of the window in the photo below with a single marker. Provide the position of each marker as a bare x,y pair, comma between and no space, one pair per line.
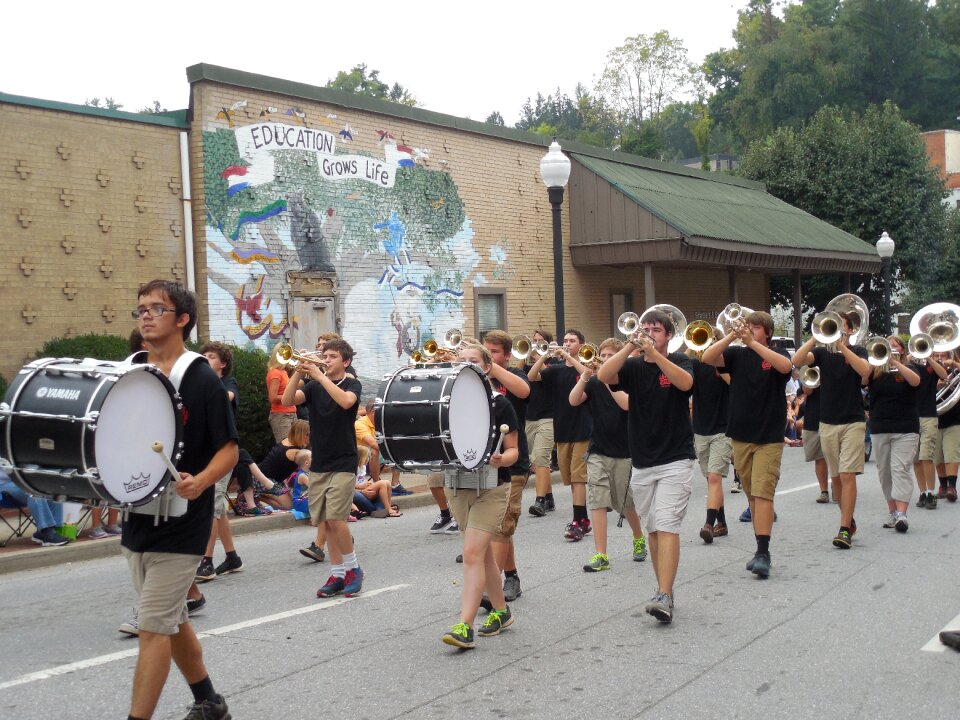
490,309
621,301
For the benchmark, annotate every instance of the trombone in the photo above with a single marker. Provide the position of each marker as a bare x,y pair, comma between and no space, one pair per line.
286,355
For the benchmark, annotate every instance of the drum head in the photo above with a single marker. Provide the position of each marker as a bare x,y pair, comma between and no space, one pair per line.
137,412
471,417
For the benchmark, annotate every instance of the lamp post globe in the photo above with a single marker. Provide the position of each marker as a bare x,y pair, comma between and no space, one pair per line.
555,171
885,248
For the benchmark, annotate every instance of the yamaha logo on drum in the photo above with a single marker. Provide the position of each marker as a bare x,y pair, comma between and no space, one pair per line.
137,482
58,393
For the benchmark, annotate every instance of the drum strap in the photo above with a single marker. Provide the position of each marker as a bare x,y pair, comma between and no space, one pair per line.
179,367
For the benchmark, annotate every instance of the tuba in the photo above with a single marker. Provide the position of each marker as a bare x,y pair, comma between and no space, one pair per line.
941,321
850,303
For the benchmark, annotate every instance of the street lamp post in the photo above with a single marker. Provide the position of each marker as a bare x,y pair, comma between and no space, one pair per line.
885,248
555,171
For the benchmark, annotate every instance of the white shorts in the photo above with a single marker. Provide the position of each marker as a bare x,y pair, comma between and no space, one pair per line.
661,494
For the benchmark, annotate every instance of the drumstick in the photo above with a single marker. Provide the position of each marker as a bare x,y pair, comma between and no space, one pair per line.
503,431
158,449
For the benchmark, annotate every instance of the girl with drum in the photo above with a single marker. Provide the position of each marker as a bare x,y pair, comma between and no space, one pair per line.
480,515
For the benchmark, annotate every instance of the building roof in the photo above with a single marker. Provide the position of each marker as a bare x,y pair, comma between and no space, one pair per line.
167,118
707,212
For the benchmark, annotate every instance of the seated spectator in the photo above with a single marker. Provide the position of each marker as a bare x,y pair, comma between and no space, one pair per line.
47,515
266,481
372,496
367,438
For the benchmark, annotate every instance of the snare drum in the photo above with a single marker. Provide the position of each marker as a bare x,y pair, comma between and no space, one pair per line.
82,430
435,417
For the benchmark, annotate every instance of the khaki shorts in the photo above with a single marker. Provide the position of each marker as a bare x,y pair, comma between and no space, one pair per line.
758,467
843,447
950,443
435,480
811,445
661,494
330,495
571,457
485,511
162,581
509,526
280,424
220,496
608,483
540,441
713,453
929,447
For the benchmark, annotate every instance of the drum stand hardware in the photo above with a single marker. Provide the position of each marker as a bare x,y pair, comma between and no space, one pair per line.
482,478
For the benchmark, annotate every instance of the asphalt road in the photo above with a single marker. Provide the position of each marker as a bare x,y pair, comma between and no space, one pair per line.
839,633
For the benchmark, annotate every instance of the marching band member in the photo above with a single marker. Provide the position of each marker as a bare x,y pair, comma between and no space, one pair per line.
895,429
929,446
539,432
661,444
758,414
481,516
843,426
608,459
949,424
812,451
571,428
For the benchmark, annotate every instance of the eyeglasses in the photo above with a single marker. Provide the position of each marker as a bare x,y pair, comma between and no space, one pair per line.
154,311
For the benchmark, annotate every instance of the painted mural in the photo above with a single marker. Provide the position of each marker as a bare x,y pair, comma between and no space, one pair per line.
282,196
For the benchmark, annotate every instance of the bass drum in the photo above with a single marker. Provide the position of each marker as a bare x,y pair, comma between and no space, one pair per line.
435,417
82,430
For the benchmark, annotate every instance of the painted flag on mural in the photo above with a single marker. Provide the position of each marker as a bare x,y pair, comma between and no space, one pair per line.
240,177
400,155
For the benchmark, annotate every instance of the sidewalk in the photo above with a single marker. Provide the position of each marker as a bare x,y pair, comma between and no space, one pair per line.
23,554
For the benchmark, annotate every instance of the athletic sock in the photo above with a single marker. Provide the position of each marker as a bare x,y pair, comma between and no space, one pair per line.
711,516
203,690
232,555
445,513
510,573
579,512
350,561
943,481
763,543
207,560
951,481
338,571
721,516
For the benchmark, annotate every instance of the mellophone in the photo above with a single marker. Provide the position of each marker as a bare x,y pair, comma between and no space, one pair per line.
94,431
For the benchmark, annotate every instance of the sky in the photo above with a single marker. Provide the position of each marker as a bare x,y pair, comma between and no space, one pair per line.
462,59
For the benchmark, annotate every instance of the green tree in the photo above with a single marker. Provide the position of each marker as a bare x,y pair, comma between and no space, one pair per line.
154,109
105,104
495,118
865,174
360,81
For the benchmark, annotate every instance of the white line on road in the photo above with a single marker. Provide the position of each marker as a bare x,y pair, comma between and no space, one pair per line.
122,655
798,489
934,645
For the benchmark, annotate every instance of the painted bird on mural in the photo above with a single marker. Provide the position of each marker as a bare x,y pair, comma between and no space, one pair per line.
298,113
225,114
268,111
385,135
347,132
421,154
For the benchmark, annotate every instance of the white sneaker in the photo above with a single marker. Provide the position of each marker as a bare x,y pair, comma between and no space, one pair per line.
891,521
452,528
901,524
130,627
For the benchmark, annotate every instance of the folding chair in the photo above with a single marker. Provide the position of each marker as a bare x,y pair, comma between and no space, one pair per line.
22,523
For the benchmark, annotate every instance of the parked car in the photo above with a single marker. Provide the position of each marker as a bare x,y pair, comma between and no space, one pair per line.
786,343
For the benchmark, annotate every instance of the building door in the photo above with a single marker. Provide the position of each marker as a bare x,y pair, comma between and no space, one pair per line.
314,316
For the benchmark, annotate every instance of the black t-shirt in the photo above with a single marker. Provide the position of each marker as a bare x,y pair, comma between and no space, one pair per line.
207,426
841,401
540,402
893,404
758,401
230,385
811,412
570,424
504,414
950,418
610,422
658,427
927,390
711,399
333,440
522,466
275,464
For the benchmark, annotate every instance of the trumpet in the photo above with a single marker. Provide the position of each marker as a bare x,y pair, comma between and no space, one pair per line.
286,355
920,346
523,347
810,377
417,356
589,355
628,323
827,327
699,335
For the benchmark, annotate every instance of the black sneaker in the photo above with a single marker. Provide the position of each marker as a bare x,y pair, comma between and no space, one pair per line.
485,603
440,524
539,508
549,504
205,572
931,501
497,620
761,565
461,636
230,565
48,537
511,588
207,710
922,500
459,558
194,605
313,552
842,540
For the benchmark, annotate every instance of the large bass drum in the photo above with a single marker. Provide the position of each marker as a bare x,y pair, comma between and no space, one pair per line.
436,417
82,430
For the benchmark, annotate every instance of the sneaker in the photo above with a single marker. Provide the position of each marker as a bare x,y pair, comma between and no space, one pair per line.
640,548
824,497
207,710
278,490
735,488
942,492
333,587
891,521
573,532
842,540
485,603
539,508
901,524
129,627
761,565
922,500
952,494
440,524
230,565
951,638
497,620
585,526
745,516
48,537
661,607
258,511
459,558
720,530
400,490
97,533
853,526
511,588
706,534
195,605
313,552
205,572
598,563
113,529
353,582
452,528
931,501
461,636
549,504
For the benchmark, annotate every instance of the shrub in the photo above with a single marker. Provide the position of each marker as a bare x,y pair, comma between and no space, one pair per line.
101,347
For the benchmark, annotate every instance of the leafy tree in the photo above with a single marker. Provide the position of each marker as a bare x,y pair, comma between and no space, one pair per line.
360,81
154,109
105,104
495,118
864,174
